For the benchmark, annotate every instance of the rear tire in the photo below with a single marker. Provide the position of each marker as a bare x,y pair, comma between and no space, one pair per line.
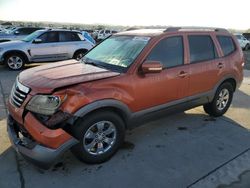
246,47
221,102
100,135
15,61
78,55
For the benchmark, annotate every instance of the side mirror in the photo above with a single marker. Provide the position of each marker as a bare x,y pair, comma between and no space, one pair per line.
16,33
151,67
37,41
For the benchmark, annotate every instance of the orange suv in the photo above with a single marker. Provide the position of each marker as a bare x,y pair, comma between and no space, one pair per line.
130,77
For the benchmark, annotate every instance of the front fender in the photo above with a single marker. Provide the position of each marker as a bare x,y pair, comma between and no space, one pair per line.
102,104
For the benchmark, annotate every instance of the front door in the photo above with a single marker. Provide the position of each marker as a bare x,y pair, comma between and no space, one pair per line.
47,50
171,84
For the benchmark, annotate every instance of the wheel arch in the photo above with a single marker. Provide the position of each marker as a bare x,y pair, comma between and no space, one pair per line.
115,106
230,78
18,52
80,50
232,81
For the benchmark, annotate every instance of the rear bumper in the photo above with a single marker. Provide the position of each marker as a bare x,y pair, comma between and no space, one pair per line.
37,154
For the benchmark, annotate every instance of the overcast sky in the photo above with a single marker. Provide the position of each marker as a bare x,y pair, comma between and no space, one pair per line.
216,13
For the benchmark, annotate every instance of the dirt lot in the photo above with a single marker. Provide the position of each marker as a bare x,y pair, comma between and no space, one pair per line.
188,149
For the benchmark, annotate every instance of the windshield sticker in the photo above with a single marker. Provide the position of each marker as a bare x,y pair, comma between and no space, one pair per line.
145,39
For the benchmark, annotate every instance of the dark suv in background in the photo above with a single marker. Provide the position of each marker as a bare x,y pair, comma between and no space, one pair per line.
18,33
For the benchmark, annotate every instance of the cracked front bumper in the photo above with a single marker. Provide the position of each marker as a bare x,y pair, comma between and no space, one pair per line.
37,154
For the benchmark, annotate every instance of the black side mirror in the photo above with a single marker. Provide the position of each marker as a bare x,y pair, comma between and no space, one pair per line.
16,33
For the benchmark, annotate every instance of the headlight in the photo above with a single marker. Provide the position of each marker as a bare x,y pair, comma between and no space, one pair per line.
44,104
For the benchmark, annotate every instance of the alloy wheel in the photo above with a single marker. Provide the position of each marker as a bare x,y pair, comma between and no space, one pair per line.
15,62
223,99
100,137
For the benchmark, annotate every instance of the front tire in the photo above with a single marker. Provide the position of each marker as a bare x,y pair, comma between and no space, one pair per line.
221,102
100,135
14,61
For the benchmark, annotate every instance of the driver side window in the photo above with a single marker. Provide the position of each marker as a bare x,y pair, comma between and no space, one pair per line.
169,52
49,37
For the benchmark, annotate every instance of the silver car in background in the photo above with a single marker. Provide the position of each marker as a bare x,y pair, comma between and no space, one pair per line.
43,46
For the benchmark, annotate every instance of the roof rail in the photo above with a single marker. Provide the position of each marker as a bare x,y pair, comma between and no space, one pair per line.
172,29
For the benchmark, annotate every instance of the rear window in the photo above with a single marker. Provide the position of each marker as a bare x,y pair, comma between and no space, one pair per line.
227,44
68,36
201,48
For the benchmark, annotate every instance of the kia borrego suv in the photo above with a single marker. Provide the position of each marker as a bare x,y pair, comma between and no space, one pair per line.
43,46
132,76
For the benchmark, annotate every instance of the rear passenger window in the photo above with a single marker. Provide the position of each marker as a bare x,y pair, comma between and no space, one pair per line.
68,36
227,44
168,51
201,48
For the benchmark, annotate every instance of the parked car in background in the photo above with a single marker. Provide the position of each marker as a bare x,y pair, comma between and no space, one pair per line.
244,43
88,37
2,31
103,34
17,33
129,78
247,36
42,46
95,34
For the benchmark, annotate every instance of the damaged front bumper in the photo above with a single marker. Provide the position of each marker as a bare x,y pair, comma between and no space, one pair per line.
39,154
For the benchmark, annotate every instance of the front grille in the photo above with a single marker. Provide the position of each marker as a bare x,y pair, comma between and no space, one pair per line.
18,94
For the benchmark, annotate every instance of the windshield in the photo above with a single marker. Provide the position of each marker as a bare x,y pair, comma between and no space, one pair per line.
33,36
117,52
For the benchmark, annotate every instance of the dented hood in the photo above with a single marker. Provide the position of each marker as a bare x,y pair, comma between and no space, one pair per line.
44,79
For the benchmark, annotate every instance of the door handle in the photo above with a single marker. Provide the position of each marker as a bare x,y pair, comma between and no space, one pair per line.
220,65
183,74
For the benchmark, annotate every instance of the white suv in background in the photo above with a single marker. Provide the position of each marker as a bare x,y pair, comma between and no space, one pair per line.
43,46
244,43
103,34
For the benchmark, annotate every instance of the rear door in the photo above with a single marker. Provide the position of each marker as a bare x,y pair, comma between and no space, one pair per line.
204,63
69,43
48,49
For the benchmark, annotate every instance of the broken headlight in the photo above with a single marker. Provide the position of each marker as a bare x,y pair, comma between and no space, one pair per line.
44,104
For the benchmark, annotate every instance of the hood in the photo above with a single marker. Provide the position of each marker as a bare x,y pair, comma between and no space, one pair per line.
14,44
46,78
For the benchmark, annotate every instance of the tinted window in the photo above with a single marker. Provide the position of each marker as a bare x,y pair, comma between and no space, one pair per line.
49,37
227,44
238,36
168,51
201,48
23,31
68,36
26,31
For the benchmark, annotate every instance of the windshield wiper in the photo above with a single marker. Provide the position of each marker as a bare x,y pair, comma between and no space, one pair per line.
93,63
